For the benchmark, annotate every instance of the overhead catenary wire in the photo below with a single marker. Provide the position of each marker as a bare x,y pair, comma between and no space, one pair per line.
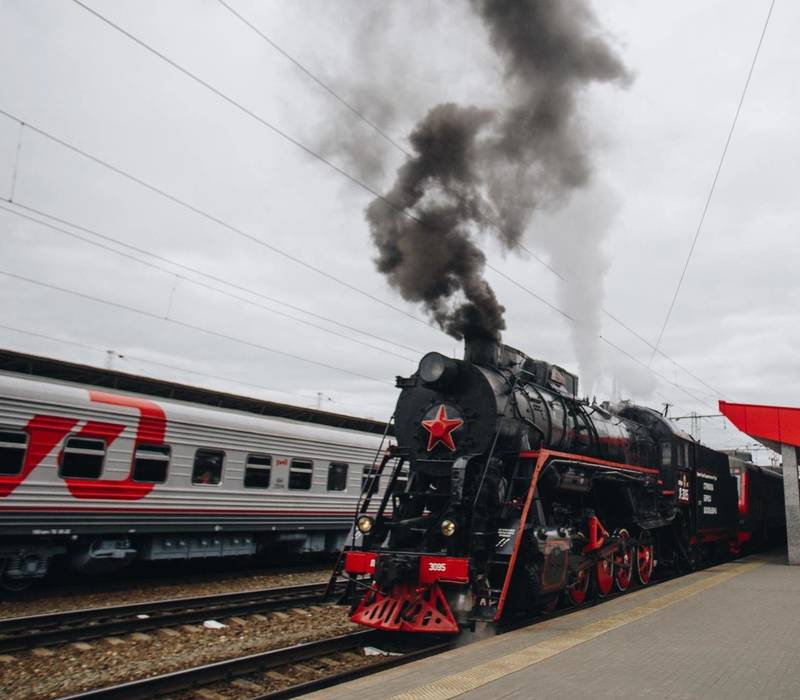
198,373
211,217
295,142
220,280
359,114
191,326
169,196
713,182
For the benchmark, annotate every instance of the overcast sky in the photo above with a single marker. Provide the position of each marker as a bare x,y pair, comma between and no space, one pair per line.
656,147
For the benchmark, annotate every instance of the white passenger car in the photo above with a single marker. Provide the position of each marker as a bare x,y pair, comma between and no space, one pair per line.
106,477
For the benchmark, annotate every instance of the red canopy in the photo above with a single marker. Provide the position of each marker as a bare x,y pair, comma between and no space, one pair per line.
770,425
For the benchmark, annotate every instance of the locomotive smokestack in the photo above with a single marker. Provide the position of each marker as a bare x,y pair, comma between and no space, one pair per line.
481,350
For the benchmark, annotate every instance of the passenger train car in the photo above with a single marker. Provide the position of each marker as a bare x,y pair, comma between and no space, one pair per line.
105,477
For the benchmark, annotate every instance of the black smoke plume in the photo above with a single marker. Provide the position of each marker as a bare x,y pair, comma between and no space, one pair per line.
477,171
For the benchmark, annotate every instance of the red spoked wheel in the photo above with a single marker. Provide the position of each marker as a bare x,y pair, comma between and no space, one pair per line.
578,589
645,561
623,564
604,575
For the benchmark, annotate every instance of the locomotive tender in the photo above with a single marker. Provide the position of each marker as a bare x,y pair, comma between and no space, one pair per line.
520,493
101,478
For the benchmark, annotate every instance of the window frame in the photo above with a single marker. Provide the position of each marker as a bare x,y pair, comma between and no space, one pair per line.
261,467
331,466
310,473
65,449
168,460
221,465
366,473
20,431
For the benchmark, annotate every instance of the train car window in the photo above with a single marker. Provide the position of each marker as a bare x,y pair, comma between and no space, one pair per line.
666,454
337,476
150,463
300,474
13,444
257,472
681,455
208,467
401,482
366,478
82,458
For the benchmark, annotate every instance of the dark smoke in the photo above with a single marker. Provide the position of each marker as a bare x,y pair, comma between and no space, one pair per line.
478,170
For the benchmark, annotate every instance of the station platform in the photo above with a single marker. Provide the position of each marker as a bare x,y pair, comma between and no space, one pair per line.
730,631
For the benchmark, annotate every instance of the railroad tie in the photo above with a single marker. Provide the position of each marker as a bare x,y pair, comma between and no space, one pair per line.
247,685
141,637
258,618
42,651
205,694
114,641
276,676
6,659
237,621
82,646
328,661
280,616
169,632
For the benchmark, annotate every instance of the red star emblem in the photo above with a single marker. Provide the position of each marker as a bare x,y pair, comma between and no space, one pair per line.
440,429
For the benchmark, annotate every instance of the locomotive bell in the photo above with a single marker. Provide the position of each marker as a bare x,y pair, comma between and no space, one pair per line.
437,370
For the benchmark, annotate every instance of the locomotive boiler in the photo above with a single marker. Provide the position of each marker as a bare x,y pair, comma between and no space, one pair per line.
507,492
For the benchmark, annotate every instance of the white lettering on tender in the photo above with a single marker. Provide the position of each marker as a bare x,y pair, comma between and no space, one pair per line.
437,566
709,510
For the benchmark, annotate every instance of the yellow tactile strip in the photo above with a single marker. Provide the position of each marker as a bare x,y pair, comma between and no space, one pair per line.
458,683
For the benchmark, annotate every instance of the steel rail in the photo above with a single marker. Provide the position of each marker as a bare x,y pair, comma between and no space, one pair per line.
21,633
191,678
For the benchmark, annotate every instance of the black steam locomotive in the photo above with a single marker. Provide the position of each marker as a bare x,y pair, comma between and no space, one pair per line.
507,492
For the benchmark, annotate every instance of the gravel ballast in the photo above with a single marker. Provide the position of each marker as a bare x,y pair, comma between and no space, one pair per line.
66,669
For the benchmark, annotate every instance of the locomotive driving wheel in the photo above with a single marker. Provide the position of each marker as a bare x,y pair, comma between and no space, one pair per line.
604,575
623,564
645,560
578,589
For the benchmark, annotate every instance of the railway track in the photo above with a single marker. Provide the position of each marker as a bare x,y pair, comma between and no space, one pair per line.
250,673
30,631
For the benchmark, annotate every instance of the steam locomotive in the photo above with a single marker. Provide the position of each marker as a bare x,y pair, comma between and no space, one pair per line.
518,494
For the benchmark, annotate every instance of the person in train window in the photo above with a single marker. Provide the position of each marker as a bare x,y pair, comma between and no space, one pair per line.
207,468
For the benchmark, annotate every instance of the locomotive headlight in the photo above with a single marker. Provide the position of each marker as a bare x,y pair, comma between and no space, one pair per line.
437,369
364,524
448,528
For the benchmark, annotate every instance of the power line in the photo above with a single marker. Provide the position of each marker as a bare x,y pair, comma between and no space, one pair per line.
198,373
191,326
714,181
175,199
317,80
301,146
203,274
330,90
